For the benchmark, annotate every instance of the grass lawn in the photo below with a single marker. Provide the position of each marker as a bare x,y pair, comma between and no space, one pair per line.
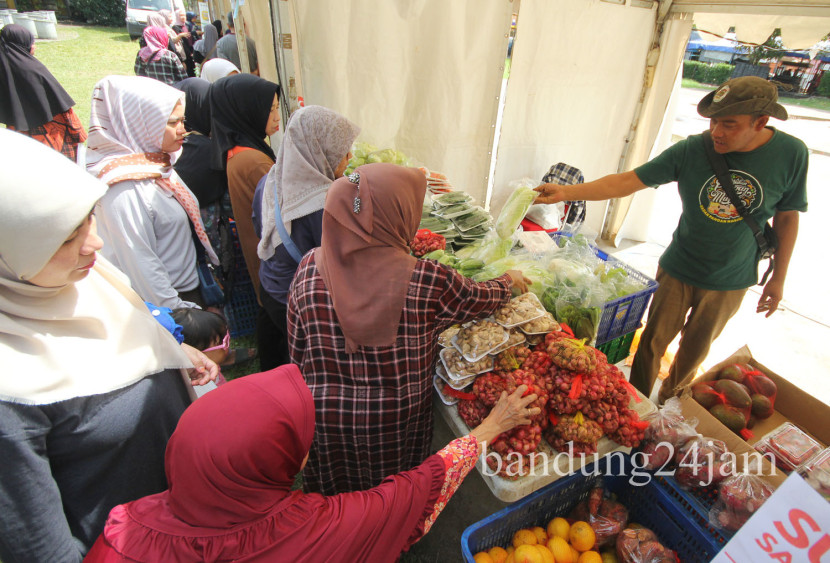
83,55
814,102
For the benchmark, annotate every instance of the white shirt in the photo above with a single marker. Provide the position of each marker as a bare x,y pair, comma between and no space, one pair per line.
147,235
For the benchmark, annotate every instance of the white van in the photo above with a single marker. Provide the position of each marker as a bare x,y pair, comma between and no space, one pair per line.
137,11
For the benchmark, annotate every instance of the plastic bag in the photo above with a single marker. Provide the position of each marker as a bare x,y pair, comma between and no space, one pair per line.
607,517
701,462
515,208
668,430
739,497
547,215
640,545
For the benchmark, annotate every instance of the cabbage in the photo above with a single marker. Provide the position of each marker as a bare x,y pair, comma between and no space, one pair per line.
515,208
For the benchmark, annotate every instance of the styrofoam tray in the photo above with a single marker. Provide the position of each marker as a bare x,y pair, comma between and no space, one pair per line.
515,342
557,465
438,384
483,352
457,384
445,338
531,333
540,310
445,351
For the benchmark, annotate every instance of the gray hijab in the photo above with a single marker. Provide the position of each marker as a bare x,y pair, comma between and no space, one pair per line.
315,141
207,44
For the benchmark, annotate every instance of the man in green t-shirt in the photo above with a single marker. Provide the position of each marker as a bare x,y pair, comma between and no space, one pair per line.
713,257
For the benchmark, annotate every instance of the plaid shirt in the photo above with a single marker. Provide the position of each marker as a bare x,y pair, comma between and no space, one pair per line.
167,68
373,407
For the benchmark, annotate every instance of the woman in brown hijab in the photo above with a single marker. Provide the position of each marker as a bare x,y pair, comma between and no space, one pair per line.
363,321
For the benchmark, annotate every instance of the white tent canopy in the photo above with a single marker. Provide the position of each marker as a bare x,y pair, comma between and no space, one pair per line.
589,85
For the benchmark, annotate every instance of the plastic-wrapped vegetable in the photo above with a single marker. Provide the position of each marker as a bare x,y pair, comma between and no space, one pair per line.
640,545
739,497
668,430
516,206
606,517
701,462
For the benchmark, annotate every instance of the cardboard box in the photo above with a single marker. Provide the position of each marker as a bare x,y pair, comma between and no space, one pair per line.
791,404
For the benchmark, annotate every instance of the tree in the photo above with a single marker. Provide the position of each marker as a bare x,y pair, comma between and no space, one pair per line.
770,50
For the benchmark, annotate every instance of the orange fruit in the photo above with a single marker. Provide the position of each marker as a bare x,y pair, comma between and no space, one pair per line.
482,557
590,557
524,536
561,550
541,535
510,558
559,527
582,536
574,554
547,555
527,553
499,554
510,549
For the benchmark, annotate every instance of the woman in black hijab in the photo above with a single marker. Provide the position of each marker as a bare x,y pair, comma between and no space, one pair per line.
32,101
244,111
208,185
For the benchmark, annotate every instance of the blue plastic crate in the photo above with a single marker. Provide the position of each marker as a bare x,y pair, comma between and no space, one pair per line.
622,315
651,505
697,501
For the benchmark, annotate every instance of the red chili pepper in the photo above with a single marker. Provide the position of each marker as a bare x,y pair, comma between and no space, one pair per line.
576,388
746,434
553,418
459,394
567,329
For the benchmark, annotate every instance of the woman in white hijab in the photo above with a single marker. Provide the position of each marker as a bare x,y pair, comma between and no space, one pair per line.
91,386
148,215
214,69
314,152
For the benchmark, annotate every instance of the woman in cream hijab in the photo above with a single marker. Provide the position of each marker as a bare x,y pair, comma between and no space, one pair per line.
91,386
214,69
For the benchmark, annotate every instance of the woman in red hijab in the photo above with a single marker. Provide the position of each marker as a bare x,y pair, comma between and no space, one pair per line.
231,463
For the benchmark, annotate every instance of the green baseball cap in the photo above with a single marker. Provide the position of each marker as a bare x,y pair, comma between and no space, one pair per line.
743,95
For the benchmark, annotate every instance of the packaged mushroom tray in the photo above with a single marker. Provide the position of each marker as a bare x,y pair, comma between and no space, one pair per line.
541,325
514,338
519,310
476,339
456,383
445,338
459,368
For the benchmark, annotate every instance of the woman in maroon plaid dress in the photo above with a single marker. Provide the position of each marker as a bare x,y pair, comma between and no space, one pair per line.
363,321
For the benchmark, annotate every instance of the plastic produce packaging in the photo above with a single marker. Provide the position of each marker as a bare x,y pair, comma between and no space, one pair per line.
477,339
790,445
701,462
519,310
739,496
451,198
607,517
459,368
816,472
641,545
445,338
542,325
515,208
514,338
667,431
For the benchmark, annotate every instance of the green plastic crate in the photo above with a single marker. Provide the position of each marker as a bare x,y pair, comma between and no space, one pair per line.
617,349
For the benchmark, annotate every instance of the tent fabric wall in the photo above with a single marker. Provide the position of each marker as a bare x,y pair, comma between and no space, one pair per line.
574,85
656,99
422,76
797,32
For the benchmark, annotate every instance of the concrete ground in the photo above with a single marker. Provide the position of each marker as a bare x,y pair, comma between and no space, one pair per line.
793,342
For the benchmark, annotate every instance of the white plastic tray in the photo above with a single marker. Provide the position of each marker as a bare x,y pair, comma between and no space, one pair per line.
540,310
482,353
439,383
557,465
508,344
452,374
457,384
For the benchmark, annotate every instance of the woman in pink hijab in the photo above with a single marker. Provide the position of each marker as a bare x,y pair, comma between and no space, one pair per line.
154,60
230,466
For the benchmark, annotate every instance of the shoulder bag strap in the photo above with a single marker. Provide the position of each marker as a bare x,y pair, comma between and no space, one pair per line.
718,163
287,242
